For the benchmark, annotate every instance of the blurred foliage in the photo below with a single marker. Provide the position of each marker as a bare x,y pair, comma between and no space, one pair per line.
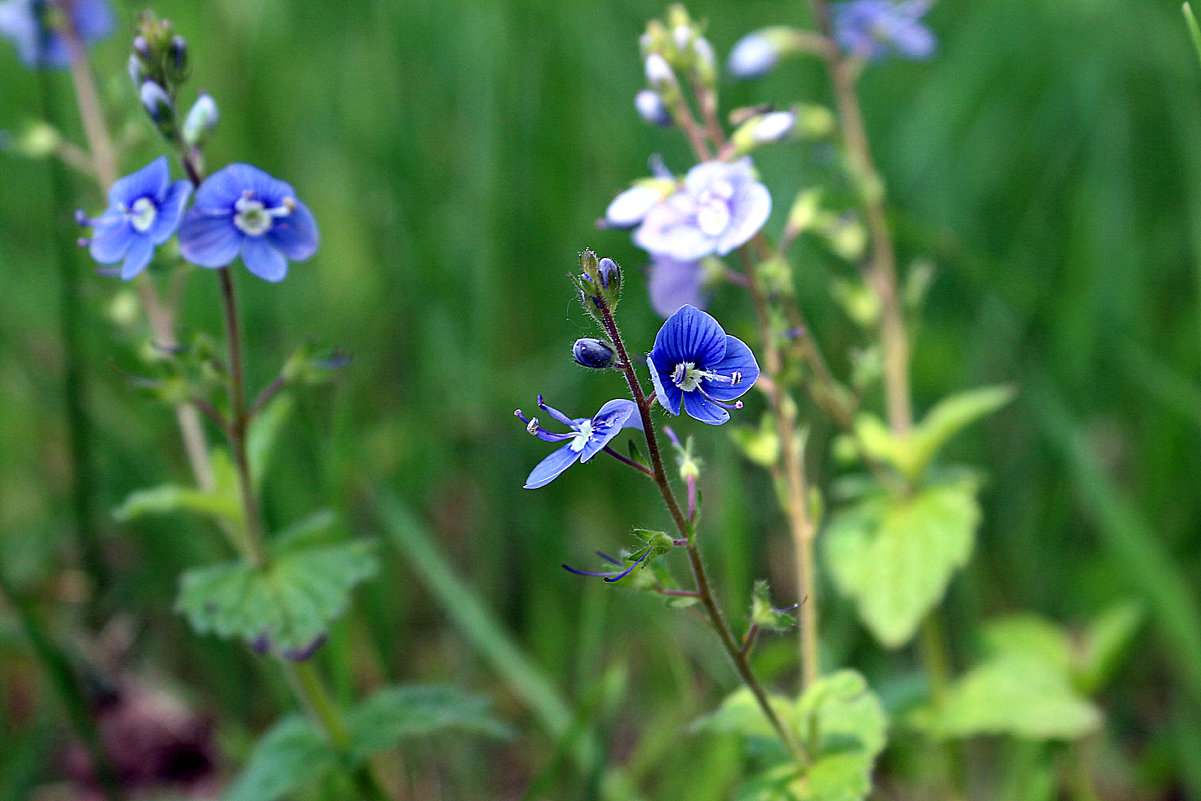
457,155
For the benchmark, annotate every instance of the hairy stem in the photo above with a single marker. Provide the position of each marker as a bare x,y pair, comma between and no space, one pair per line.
704,589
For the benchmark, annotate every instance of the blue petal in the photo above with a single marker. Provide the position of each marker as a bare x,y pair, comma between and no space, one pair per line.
170,211
221,190
749,211
111,239
138,257
150,181
670,229
689,335
549,468
667,393
739,359
673,284
262,259
207,239
703,409
608,423
296,235
631,206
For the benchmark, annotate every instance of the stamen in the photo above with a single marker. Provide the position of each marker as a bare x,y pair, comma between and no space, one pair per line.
532,425
713,400
555,413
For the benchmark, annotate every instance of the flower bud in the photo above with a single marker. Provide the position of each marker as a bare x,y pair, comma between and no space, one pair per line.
610,273
141,48
705,63
762,129
177,59
202,118
137,73
600,285
659,73
157,103
757,53
593,353
652,109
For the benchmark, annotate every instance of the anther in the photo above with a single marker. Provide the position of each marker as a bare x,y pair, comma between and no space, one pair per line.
532,426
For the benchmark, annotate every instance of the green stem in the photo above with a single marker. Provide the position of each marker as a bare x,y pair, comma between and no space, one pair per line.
687,532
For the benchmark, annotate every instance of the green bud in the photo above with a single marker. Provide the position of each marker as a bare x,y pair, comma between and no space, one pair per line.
38,140
763,615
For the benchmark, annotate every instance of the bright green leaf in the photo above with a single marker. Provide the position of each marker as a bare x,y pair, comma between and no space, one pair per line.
1028,636
397,713
1013,694
947,419
292,601
894,556
264,432
221,503
741,714
760,445
292,754
842,726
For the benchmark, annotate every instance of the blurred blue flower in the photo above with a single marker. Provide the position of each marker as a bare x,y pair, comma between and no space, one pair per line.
587,437
37,28
720,206
673,284
874,29
652,109
242,210
696,362
144,209
753,56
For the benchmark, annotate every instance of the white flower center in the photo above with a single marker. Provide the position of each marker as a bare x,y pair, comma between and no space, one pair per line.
253,218
686,376
581,437
713,208
143,214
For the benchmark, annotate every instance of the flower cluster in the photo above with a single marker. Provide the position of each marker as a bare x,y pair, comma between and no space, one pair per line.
239,211
42,29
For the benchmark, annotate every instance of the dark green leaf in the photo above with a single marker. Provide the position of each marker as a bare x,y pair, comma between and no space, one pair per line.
292,754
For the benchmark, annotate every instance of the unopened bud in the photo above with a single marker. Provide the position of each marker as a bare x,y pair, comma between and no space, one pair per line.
593,353
705,62
610,273
774,126
177,59
157,103
652,108
141,48
202,118
659,73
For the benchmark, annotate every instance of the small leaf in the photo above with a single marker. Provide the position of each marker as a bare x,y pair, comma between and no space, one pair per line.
894,556
741,714
398,713
291,602
1028,636
948,418
292,754
654,545
1013,694
264,432
763,614
221,503
1105,642
842,725
760,445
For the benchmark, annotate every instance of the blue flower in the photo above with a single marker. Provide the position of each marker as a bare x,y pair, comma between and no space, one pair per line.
695,362
144,209
673,284
874,29
587,437
37,27
241,210
720,207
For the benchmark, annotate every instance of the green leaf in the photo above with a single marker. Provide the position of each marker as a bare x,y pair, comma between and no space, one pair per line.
397,713
292,754
1021,695
741,714
1105,642
263,433
222,503
760,445
1194,33
654,545
913,453
842,726
895,556
291,601
763,614
1028,636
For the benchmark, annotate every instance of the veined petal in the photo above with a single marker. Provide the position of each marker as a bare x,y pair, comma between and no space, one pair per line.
701,408
608,423
670,229
150,181
170,211
750,208
738,359
263,259
667,393
690,335
207,239
549,468
296,235
140,253
221,190
111,239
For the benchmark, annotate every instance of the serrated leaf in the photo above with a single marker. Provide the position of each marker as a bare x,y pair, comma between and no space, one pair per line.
264,432
894,556
948,418
398,713
842,724
292,754
1018,695
1105,642
291,601
741,714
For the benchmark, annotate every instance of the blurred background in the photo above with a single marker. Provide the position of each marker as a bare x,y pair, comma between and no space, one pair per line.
456,156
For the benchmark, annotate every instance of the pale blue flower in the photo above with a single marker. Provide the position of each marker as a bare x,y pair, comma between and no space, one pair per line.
720,207
36,28
588,436
875,29
672,284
